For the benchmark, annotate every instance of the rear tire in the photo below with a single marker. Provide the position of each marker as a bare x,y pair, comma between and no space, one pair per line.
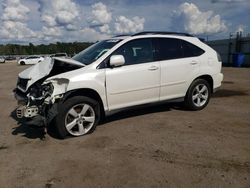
22,63
77,116
198,95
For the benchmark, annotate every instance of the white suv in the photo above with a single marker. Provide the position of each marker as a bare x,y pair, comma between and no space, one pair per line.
117,73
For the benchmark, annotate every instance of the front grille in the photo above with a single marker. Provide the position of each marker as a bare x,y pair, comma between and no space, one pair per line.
20,112
22,83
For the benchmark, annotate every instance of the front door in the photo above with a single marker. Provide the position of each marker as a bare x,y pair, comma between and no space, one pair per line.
138,80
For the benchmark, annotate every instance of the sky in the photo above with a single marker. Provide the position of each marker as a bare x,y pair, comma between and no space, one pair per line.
49,21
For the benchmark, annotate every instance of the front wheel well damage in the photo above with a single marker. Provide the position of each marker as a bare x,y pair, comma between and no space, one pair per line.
87,93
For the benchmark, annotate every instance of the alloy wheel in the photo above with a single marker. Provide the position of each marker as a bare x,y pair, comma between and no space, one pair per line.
80,119
200,95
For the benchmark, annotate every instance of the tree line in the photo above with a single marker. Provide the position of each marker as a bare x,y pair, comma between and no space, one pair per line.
31,49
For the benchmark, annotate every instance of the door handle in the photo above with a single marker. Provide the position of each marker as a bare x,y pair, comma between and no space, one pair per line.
152,68
194,63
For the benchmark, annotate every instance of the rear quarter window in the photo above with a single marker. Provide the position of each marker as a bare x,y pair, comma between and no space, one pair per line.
190,50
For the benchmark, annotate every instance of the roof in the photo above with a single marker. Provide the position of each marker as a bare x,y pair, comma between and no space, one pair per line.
162,33
154,33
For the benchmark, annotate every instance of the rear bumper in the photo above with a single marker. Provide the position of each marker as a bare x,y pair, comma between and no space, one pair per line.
217,78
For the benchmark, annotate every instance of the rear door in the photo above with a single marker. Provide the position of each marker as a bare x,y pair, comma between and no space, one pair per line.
32,60
35,59
136,82
178,67
29,60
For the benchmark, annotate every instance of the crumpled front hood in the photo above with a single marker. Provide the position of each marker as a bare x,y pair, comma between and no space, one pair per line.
43,69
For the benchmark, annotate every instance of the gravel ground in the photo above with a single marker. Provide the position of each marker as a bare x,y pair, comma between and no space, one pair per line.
156,146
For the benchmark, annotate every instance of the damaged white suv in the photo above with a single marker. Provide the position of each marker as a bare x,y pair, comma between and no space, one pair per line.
112,74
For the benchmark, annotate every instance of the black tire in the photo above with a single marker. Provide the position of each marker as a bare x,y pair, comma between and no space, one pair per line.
64,108
22,63
191,102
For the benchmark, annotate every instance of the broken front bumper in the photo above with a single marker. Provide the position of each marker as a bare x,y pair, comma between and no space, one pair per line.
26,111
38,111
29,114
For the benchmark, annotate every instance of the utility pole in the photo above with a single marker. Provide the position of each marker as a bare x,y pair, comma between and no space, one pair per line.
229,48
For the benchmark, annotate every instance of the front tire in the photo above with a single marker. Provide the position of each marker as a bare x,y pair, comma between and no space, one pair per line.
22,63
198,95
77,116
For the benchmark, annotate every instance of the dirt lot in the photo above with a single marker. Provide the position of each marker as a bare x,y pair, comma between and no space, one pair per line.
159,146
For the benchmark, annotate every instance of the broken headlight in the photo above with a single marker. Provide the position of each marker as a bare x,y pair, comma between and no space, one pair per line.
58,86
47,89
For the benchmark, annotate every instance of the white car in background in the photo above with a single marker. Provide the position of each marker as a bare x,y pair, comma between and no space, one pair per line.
30,60
2,60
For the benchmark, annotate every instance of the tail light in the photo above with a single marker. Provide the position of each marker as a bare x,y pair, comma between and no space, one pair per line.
219,57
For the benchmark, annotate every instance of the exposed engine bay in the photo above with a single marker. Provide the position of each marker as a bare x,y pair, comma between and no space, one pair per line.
37,94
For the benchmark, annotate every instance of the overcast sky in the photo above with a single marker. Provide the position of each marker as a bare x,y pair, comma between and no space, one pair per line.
45,21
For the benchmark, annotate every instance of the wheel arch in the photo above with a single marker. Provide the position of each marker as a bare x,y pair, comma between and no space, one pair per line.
87,92
208,78
22,62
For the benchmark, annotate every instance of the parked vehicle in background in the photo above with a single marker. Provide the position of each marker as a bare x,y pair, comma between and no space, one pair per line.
59,55
10,58
2,60
117,73
30,60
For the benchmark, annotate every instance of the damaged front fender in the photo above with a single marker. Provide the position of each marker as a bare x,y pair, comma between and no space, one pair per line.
59,86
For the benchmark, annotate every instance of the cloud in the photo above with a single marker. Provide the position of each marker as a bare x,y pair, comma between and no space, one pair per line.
124,25
100,14
59,18
241,28
197,22
62,21
105,29
14,26
100,18
90,35
102,21
14,11
227,1
16,31
59,13
52,31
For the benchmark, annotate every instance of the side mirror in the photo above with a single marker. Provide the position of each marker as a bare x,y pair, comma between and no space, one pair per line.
117,60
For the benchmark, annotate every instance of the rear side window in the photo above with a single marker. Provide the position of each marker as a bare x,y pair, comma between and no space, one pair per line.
171,48
136,51
32,57
190,50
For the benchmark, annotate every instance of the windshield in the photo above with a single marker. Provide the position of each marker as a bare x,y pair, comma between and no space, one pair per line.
95,51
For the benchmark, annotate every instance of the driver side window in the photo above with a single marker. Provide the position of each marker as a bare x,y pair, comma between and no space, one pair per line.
136,51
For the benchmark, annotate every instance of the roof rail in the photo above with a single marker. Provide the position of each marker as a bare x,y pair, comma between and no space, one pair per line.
162,33
122,35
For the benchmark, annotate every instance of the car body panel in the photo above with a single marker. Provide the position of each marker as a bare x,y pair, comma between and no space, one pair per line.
129,85
132,85
42,69
175,74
